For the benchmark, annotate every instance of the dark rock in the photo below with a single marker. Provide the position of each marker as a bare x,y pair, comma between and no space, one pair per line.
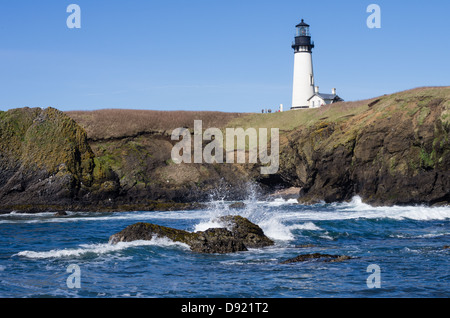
216,240
61,213
147,231
250,234
242,234
316,256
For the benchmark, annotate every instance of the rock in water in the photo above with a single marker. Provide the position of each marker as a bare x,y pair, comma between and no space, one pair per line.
146,231
317,256
216,240
239,235
251,234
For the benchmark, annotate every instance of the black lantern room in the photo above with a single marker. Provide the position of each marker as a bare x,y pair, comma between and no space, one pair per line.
302,38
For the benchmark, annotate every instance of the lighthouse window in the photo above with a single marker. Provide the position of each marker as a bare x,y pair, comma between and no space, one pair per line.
302,31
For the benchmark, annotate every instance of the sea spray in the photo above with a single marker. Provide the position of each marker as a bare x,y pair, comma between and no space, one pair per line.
259,212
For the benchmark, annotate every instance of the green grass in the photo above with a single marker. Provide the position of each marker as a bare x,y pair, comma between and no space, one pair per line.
406,103
346,119
290,120
426,159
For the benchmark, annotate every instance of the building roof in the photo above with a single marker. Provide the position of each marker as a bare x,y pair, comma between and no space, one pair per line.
327,96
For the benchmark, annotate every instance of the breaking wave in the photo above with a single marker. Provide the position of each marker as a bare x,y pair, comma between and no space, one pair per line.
275,217
357,209
98,249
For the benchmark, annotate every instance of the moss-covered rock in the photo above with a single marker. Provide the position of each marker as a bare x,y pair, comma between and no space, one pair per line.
45,160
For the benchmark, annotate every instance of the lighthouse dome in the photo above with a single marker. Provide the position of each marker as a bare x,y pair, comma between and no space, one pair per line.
302,24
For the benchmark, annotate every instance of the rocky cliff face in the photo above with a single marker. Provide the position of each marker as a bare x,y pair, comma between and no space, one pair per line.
47,163
394,149
145,170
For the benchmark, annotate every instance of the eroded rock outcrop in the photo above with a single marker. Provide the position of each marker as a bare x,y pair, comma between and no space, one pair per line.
392,150
238,234
47,164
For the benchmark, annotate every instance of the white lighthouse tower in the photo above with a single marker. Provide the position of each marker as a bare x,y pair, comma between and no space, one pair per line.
303,86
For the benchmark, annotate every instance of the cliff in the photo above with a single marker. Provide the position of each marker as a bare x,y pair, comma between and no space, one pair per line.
49,163
389,150
393,149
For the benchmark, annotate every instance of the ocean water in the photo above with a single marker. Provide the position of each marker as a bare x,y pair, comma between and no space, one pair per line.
38,254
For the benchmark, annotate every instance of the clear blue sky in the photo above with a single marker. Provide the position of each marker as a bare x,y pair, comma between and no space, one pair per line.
220,55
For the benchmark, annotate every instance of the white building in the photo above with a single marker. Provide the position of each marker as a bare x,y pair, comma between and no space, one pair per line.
304,93
320,99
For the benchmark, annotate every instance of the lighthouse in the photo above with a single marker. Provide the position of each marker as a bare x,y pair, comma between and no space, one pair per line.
303,86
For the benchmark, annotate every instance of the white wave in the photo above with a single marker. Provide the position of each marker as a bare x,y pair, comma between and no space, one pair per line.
15,214
208,224
305,226
49,217
326,236
357,202
432,235
276,230
98,249
355,209
421,213
18,217
279,202
428,235
418,212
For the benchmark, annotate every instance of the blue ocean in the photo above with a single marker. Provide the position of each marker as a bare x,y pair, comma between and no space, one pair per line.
405,247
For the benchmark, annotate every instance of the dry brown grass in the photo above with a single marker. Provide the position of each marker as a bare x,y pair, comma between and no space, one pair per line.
114,123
